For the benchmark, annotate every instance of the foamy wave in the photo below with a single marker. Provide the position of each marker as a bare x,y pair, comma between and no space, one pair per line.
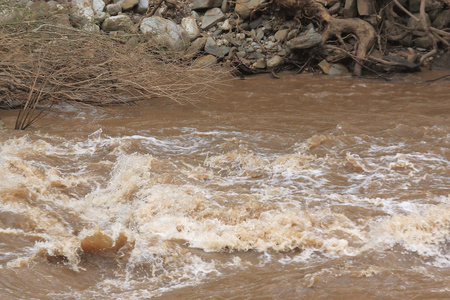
425,232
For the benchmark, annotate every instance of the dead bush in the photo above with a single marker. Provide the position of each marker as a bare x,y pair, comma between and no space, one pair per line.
44,63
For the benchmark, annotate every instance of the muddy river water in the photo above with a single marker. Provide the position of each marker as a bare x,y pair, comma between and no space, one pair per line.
305,187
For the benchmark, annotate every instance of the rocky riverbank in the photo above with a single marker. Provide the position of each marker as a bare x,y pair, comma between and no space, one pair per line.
268,36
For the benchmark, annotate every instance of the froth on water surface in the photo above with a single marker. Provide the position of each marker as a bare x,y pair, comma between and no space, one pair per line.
303,187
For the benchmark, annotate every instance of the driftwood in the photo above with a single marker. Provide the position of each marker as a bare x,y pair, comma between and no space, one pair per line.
385,26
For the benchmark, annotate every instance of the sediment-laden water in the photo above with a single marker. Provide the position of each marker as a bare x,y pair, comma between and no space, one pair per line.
306,187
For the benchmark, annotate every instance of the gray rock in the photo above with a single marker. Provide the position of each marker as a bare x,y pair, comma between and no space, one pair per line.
212,17
195,47
335,8
332,69
118,23
212,48
195,15
204,4
2,125
260,33
100,17
292,34
245,26
308,40
260,63
413,24
114,9
83,12
190,25
267,25
281,34
442,20
423,42
129,4
225,7
442,62
366,8
350,9
255,23
275,61
414,6
165,33
255,55
142,6
244,7
98,6
226,25
205,61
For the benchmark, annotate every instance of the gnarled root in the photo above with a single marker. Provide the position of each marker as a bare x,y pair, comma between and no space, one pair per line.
364,31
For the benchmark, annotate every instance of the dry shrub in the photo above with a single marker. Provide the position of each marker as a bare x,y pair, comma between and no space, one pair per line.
41,62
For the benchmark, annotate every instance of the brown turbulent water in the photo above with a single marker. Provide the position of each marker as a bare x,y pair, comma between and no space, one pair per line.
306,187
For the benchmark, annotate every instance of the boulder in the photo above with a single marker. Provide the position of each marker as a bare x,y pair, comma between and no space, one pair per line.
190,25
118,23
244,7
205,4
212,17
165,33
305,41
129,4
